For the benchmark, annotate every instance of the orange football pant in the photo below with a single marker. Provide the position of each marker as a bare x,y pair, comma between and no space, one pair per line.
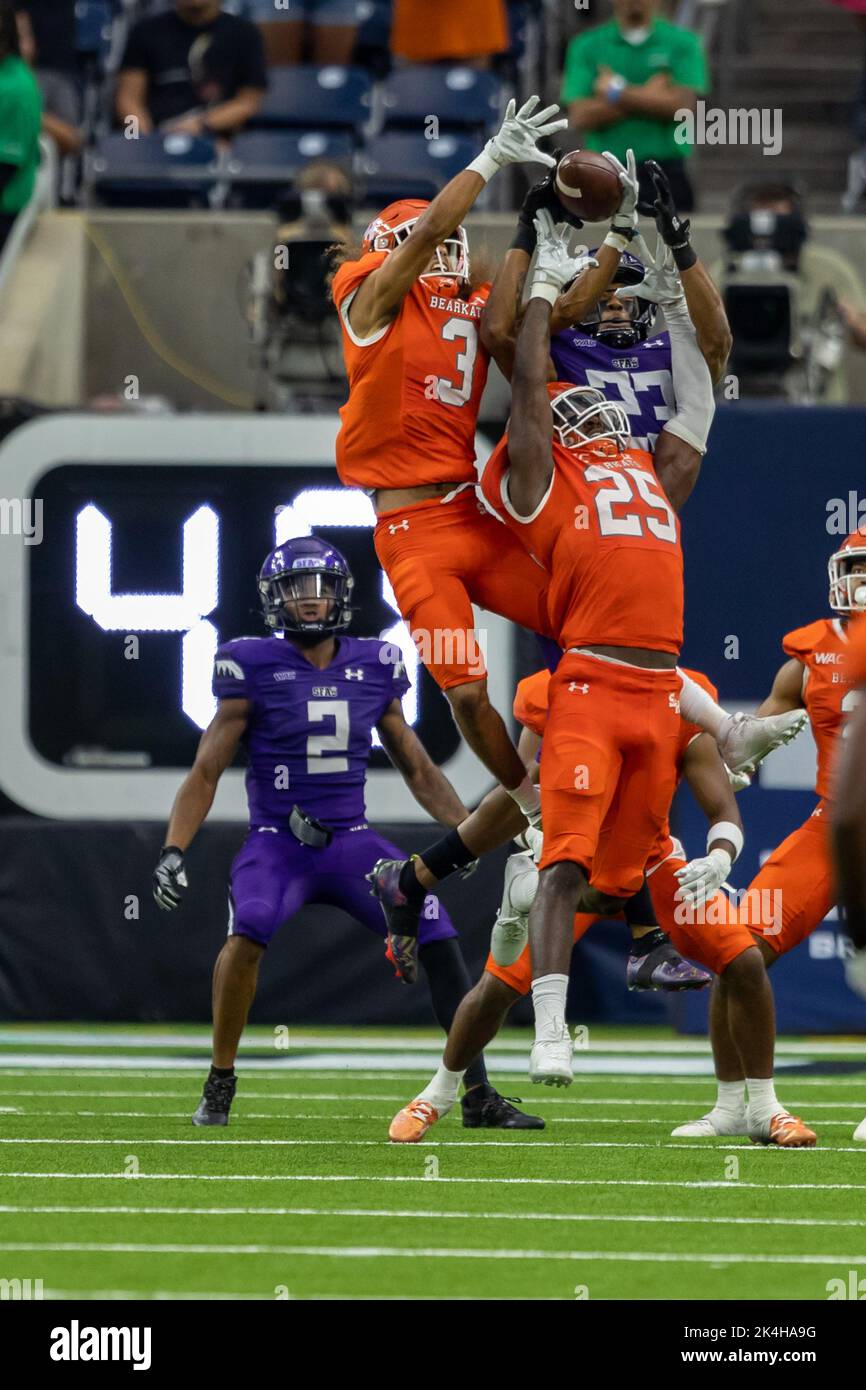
794,889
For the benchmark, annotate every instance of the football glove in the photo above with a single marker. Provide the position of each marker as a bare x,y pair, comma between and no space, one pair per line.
517,138
169,878
661,283
557,260
674,231
623,220
701,878
739,780
855,972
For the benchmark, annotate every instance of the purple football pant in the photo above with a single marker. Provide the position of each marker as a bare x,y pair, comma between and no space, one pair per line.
273,876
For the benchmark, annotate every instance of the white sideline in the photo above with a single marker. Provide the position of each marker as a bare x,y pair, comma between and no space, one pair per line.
721,1185
386,1252
438,1215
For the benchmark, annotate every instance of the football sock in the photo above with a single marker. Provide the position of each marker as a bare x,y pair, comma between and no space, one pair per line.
697,707
447,855
644,944
639,910
408,882
222,1072
449,982
731,1098
763,1102
528,799
548,1000
441,1092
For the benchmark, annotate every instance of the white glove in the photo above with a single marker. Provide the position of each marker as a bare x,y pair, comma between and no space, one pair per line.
738,780
517,138
624,218
661,283
557,259
855,972
701,878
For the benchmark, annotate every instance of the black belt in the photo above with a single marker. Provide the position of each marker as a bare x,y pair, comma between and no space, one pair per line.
308,830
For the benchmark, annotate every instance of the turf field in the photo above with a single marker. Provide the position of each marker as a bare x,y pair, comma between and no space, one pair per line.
106,1190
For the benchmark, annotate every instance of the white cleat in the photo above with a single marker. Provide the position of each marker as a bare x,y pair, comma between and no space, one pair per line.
510,930
714,1125
860,1131
550,1059
745,740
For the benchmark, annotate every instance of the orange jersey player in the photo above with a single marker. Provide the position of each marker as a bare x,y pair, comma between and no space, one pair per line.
849,819
597,515
796,886
713,935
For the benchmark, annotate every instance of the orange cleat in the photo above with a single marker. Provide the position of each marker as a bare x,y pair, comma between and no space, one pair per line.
412,1122
787,1131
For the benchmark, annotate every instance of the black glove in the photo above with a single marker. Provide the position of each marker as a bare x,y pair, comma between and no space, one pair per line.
673,231
541,195
169,878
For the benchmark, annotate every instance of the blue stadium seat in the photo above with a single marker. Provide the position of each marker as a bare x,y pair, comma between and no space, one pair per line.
261,162
397,165
461,98
155,170
306,96
374,23
93,21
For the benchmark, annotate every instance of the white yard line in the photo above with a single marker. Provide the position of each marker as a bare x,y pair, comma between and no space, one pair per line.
292,1116
143,1142
98,1067
389,1213
724,1186
434,1252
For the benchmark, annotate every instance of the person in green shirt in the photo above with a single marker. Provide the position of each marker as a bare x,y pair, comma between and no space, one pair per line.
20,122
625,81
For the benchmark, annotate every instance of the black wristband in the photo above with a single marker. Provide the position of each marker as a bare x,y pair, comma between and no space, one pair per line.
524,238
684,256
170,849
447,855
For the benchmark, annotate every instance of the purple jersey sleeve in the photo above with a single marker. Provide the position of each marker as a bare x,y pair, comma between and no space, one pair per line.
230,677
638,378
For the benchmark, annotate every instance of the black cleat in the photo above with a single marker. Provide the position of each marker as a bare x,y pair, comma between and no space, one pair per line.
216,1101
492,1111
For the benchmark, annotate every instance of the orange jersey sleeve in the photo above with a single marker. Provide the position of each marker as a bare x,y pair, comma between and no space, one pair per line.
823,648
414,386
531,702
607,536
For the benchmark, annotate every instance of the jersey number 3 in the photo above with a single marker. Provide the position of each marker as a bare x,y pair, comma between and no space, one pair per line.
460,330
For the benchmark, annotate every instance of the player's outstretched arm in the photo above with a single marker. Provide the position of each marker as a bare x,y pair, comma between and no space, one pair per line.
383,291
708,778
683,441
787,691
427,783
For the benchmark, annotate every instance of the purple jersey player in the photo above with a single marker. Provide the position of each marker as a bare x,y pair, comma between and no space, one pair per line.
614,350
304,701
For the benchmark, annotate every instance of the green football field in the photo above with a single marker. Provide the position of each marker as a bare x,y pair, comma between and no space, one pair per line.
106,1190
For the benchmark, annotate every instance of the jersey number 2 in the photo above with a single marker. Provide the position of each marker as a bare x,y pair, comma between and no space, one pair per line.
337,742
620,491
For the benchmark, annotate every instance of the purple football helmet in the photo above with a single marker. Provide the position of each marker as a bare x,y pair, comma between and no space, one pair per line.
305,567
643,312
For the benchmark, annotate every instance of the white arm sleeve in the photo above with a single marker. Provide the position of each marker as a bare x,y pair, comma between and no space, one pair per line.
693,386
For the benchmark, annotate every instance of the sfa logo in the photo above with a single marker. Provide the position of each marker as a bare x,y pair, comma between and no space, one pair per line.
77,1343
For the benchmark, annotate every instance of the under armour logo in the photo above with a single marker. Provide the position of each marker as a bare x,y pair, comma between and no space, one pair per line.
354,673
396,526
584,689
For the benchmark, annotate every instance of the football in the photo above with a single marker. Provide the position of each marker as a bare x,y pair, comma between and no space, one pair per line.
588,185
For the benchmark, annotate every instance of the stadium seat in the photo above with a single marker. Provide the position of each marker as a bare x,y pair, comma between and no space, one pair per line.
334,98
397,165
156,170
93,21
262,161
461,98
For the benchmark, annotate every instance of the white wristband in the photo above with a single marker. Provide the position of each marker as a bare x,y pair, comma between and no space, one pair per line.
485,165
541,290
617,241
726,830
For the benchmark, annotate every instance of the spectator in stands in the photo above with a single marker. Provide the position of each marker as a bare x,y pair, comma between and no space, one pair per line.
451,31
625,81
195,69
311,31
789,300
20,121
47,32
